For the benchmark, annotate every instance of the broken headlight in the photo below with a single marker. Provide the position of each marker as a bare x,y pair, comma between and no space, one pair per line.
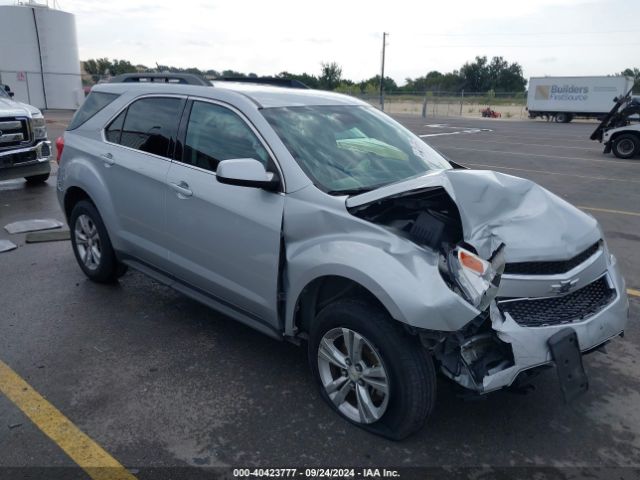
478,279
39,127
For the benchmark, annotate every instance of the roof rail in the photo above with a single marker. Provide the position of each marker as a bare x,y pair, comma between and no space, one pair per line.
169,77
276,82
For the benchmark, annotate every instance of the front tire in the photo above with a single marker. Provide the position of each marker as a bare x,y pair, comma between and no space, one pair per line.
370,371
626,145
92,246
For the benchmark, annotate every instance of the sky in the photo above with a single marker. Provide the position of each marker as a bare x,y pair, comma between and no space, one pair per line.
547,37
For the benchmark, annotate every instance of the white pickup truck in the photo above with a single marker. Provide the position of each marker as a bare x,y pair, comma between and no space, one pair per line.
24,148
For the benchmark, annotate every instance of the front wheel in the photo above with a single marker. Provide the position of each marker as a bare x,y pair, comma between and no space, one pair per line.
370,370
625,145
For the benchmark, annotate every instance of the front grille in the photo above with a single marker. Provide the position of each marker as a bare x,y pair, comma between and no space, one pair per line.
550,268
14,132
573,307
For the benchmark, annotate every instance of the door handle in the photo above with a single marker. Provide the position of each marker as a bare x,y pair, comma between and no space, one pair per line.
108,160
182,189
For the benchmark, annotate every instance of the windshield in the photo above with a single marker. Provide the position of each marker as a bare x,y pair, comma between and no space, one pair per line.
351,149
3,93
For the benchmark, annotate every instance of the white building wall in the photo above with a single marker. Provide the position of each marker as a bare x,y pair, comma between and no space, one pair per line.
46,77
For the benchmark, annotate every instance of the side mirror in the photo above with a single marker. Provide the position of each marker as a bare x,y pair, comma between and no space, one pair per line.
246,172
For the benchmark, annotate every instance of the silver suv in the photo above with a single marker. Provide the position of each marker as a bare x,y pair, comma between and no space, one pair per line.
317,219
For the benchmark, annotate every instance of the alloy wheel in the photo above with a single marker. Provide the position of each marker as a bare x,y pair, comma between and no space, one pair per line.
353,375
87,241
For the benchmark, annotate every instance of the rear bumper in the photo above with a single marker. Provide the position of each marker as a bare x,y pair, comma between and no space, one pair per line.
26,162
529,344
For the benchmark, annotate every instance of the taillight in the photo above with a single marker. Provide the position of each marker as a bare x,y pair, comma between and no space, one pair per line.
60,147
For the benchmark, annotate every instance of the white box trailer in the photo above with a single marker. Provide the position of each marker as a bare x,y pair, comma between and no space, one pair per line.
564,98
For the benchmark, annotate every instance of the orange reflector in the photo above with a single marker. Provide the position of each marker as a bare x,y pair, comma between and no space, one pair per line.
471,262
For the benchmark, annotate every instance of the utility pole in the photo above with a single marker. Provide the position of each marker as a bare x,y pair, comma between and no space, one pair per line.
384,44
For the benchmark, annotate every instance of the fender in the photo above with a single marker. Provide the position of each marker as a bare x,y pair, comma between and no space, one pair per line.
403,276
86,175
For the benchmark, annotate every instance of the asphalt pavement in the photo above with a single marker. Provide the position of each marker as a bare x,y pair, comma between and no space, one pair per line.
158,380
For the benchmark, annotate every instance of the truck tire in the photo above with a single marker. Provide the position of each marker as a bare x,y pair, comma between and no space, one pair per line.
562,117
370,370
37,179
625,145
92,246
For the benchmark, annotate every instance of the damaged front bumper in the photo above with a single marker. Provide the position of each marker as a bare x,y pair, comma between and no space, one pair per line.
526,347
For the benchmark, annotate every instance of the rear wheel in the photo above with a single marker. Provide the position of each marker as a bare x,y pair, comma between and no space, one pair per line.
370,370
625,145
37,179
92,246
563,117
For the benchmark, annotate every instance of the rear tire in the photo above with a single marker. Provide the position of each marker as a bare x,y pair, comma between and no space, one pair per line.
92,246
563,117
37,179
383,357
626,145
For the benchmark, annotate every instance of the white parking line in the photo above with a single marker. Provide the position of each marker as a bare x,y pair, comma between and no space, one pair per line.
587,177
463,130
475,139
555,157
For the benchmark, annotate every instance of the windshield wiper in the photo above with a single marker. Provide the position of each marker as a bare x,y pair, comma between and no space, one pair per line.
351,191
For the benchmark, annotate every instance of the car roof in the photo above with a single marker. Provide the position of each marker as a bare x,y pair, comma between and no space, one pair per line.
264,96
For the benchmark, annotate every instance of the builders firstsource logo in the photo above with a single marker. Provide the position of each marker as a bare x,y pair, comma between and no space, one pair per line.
562,92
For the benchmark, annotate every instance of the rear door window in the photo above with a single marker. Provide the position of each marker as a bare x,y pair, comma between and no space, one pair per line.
114,130
150,125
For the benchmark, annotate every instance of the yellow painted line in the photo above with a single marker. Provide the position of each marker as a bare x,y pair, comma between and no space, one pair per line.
633,292
98,464
607,210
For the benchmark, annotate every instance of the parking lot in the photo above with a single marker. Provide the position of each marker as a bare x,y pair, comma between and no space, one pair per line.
157,380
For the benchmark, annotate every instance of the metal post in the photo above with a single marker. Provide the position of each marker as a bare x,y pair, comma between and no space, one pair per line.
384,43
424,106
461,101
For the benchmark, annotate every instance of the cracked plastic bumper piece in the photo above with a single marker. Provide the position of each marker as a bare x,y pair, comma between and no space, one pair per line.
530,343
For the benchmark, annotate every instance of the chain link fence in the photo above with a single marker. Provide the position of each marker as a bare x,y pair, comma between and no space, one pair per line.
445,104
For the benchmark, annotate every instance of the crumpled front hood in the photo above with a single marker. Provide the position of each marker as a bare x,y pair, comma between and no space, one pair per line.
497,208
11,108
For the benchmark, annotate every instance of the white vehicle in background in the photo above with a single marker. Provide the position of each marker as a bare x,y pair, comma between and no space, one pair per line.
617,132
564,98
24,149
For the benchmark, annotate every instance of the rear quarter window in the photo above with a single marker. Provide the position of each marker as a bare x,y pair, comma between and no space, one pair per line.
95,102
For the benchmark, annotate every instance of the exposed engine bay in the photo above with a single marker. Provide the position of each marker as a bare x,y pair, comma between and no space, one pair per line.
430,217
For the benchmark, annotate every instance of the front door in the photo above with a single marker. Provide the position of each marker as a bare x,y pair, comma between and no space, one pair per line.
223,239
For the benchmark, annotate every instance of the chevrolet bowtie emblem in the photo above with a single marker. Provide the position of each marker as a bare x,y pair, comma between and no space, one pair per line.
564,286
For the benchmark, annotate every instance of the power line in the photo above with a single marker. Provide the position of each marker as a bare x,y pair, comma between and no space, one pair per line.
475,45
487,34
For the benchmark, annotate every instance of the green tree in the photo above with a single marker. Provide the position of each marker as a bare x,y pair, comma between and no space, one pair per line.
499,75
331,75
635,73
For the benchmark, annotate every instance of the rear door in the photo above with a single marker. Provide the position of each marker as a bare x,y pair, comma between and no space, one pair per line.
139,143
223,239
